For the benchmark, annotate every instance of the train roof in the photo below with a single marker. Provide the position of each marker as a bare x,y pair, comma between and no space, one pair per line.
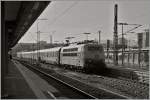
50,49
44,50
73,46
26,52
79,45
58,48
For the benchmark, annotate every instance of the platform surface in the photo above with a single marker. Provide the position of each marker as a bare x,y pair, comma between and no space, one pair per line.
16,86
22,83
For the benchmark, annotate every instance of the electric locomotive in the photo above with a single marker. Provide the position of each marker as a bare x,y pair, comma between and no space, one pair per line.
87,57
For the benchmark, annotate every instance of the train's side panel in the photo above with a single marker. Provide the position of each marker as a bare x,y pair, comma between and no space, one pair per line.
71,57
51,55
81,56
71,60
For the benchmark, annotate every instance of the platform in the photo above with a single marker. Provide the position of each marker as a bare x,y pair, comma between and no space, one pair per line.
21,83
16,85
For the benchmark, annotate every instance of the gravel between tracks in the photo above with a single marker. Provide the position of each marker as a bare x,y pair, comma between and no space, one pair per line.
132,89
101,94
128,88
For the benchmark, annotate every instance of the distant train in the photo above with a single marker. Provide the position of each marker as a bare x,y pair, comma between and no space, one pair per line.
86,57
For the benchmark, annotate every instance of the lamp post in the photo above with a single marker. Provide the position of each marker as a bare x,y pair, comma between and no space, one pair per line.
38,39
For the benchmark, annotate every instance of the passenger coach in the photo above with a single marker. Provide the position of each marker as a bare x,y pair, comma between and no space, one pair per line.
51,55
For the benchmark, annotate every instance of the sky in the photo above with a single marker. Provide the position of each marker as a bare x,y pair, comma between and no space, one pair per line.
73,18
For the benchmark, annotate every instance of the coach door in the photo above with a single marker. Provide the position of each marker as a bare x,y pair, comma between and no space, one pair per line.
59,56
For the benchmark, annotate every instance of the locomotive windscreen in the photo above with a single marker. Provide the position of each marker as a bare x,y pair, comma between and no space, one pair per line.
94,48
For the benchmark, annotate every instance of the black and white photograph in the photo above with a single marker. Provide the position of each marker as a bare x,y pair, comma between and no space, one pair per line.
75,49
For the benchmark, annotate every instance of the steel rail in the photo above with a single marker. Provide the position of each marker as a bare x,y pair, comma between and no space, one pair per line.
89,95
46,74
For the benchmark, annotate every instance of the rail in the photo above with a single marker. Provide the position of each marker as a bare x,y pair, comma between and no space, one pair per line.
46,74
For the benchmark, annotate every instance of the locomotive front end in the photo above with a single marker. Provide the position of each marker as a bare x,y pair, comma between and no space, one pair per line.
94,59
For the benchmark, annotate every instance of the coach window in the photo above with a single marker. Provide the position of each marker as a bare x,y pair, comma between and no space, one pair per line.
70,54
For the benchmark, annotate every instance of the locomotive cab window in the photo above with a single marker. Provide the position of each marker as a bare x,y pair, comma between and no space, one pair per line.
69,54
70,49
93,48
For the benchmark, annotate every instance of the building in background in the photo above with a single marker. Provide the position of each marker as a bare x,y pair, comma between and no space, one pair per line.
146,38
143,39
42,42
132,44
124,41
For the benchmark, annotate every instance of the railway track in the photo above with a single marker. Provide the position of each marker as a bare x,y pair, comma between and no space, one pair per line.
143,77
128,88
83,91
66,89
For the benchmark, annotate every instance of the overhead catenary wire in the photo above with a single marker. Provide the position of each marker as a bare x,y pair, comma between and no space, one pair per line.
32,37
63,13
